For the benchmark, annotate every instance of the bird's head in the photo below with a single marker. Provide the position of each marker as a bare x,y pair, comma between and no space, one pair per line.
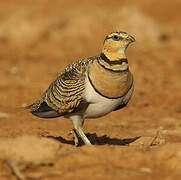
115,45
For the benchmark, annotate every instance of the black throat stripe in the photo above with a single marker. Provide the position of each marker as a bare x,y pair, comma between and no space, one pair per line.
112,70
119,61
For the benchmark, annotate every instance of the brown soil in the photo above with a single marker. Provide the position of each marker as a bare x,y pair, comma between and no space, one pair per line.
143,141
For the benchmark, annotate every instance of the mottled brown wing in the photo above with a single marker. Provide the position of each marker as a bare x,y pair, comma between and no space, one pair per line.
65,94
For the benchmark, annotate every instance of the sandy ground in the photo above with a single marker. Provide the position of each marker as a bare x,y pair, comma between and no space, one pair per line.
143,141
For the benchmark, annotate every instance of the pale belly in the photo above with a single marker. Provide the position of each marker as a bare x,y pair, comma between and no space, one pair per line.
99,105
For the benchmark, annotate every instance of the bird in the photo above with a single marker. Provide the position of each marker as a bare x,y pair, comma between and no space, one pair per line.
90,87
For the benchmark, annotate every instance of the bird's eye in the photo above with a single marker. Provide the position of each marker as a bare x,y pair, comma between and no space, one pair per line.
116,38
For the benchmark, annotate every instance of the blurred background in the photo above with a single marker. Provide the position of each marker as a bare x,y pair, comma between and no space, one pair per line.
39,38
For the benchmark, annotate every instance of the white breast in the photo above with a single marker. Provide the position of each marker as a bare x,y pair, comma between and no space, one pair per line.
99,105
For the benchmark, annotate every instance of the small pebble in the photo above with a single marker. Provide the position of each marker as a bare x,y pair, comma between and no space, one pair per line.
3,115
146,170
14,70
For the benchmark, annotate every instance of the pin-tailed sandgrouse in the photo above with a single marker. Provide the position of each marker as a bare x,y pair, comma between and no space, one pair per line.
91,87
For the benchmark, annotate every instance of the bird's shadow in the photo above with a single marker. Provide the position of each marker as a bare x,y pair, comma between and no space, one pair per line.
98,140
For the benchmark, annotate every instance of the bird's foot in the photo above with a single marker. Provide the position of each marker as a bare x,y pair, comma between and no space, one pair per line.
75,138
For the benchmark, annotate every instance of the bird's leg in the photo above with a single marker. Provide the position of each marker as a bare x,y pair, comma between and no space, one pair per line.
78,124
83,136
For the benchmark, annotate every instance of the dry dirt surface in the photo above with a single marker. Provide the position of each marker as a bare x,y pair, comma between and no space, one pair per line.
143,141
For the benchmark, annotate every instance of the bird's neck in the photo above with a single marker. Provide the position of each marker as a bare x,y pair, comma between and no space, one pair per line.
120,54
120,64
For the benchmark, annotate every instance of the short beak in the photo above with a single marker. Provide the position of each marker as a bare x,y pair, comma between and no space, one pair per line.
131,39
